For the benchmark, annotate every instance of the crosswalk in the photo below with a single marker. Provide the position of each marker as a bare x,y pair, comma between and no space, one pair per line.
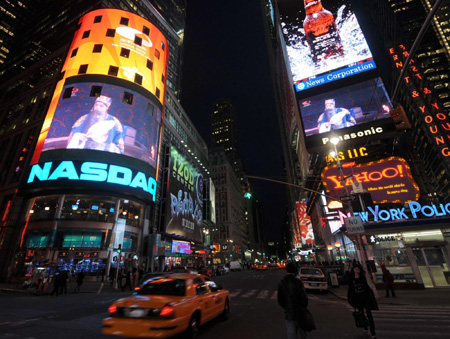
258,294
412,321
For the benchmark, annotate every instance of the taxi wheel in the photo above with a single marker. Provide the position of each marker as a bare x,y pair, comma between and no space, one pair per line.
192,331
226,310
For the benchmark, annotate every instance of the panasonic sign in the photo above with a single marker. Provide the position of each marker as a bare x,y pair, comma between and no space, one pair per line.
93,171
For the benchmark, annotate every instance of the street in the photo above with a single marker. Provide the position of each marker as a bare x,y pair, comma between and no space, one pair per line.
254,313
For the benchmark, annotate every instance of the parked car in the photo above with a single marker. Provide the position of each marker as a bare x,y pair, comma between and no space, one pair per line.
313,279
208,271
167,305
222,270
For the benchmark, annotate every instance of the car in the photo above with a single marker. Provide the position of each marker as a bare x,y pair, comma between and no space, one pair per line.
261,267
313,279
208,271
281,264
167,305
222,270
235,266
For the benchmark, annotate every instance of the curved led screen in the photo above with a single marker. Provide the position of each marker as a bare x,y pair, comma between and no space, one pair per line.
105,117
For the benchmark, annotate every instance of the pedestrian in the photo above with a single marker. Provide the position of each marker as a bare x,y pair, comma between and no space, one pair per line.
126,280
294,300
388,280
360,296
135,277
64,281
57,283
80,278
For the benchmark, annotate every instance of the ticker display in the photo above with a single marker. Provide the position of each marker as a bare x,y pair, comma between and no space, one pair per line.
348,106
324,41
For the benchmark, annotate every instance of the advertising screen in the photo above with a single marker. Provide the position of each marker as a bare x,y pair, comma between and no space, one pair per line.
304,221
345,107
324,41
388,180
105,117
181,247
184,211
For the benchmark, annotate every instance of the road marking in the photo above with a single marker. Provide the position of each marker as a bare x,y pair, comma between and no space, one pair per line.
274,295
235,293
249,294
263,294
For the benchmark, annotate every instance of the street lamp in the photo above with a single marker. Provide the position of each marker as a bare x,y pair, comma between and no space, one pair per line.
330,248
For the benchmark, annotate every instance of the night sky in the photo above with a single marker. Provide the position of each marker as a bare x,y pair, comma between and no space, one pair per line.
226,57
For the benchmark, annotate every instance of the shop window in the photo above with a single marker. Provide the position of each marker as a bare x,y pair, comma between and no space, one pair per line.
97,48
97,19
113,70
124,21
110,32
146,30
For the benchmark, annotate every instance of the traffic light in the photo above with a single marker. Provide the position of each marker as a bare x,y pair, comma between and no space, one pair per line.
119,250
400,118
246,190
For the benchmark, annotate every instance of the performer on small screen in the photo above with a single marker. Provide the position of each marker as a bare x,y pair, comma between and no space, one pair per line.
98,130
334,118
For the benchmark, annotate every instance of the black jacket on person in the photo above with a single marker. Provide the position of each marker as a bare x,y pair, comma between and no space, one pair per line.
360,295
292,296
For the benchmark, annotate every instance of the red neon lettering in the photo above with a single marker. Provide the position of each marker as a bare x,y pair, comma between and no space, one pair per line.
445,152
435,129
372,174
422,108
405,54
435,105
439,140
362,177
395,57
385,172
402,47
428,119
444,126
400,169
418,75
414,69
391,50
399,64
415,94
441,116
335,180
406,80
426,91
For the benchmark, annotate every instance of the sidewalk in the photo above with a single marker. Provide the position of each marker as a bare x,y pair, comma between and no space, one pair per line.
88,286
427,297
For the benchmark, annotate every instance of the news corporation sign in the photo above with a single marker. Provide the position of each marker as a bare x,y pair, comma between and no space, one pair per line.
415,211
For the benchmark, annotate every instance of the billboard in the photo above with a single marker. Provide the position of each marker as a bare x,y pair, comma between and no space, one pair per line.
181,247
348,106
304,221
119,120
324,41
184,209
388,180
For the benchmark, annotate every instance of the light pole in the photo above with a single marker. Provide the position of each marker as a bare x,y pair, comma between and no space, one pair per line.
330,248
337,244
360,249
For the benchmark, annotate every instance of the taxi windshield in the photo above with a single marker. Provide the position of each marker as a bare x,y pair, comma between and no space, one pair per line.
163,286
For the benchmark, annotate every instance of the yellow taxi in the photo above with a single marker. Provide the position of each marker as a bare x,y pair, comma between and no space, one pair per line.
281,264
261,267
166,305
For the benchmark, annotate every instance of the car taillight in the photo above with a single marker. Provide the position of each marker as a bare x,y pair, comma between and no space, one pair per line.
112,309
303,278
323,279
167,312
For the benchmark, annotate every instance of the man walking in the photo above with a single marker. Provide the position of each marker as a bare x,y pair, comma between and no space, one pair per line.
292,297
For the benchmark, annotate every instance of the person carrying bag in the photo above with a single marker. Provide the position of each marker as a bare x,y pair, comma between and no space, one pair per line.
292,297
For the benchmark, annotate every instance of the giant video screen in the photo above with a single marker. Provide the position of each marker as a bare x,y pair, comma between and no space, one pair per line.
324,41
108,118
345,107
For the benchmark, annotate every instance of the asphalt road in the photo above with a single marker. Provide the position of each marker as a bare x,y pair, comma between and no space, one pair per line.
254,314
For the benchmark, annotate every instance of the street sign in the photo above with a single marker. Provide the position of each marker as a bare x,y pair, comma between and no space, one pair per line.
354,225
349,198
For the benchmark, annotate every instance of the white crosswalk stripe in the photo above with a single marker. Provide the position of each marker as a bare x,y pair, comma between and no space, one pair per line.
263,294
248,294
235,293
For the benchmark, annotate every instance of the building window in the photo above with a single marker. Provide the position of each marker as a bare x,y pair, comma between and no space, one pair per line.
146,30
82,69
124,21
86,34
163,47
157,54
162,78
137,40
149,64
74,52
127,98
125,52
67,92
110,32
96,91
113,70
97,19
158,92
97,48
138,79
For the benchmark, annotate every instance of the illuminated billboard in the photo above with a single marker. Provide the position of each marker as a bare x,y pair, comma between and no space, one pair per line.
345,107
324,41
127,57
305,224
118,120
387,180
181,247
184,210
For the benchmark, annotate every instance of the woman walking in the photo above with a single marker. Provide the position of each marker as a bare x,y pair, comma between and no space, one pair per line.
360,296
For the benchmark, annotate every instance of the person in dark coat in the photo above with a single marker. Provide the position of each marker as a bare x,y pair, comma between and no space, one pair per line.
80,278
388,279
360,296
57,282
294,300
